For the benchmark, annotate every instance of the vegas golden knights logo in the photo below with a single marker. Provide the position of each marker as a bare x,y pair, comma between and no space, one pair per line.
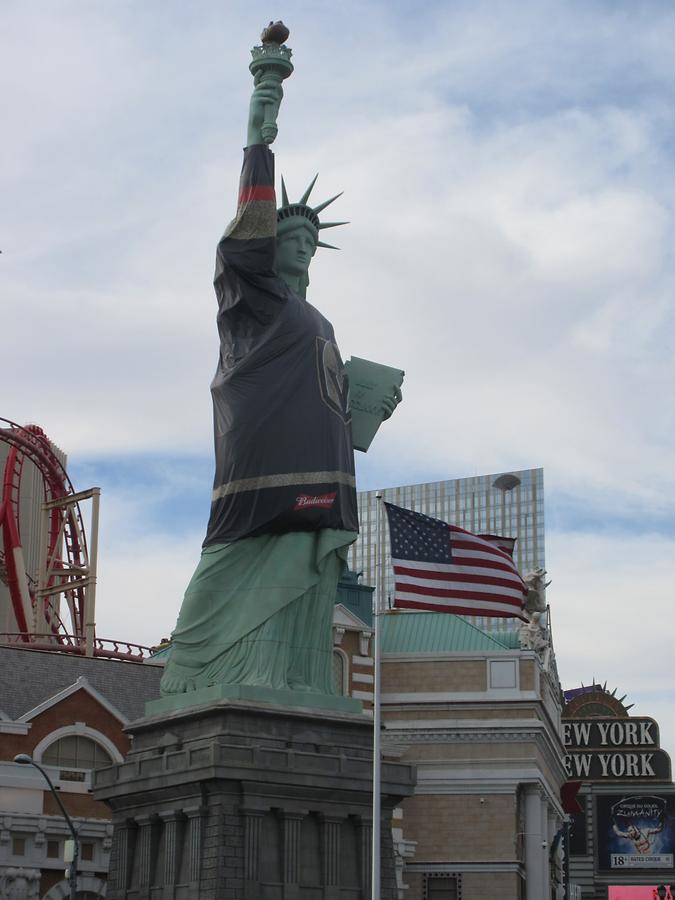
333,381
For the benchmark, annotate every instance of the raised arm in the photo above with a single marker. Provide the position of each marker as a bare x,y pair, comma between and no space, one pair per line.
264,109
246,250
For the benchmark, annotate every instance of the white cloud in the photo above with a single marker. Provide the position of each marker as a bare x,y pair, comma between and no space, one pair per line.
141,586
612,599
508,174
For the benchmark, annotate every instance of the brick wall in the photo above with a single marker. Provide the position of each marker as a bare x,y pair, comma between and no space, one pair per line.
78,707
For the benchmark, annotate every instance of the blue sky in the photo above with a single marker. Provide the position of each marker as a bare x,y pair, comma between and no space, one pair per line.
509,178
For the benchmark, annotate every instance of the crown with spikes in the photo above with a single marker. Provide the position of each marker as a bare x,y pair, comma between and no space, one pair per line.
289,210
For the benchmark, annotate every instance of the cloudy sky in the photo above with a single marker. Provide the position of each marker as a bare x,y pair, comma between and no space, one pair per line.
509,177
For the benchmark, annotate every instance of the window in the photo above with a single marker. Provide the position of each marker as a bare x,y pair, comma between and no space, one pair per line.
74,752
87,852
503,673
18,846
338,673
442,887
52,850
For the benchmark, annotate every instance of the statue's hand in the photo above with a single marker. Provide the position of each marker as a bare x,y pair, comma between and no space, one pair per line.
391,401
263,110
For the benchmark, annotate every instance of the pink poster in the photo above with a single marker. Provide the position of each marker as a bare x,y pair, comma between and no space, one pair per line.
634,892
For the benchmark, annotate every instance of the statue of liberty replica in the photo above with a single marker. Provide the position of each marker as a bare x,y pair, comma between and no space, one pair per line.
258,611
248,778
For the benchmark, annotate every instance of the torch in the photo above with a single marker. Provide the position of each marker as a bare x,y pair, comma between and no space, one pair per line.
271,62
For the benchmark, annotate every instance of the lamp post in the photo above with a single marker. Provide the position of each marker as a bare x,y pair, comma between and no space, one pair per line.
24,760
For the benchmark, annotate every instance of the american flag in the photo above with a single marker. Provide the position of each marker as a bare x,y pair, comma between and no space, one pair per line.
507,544
444,568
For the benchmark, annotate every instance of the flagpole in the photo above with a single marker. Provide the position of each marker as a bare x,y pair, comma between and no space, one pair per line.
377,612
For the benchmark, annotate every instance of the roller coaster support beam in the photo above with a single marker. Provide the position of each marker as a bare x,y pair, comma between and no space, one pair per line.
90,607
58,576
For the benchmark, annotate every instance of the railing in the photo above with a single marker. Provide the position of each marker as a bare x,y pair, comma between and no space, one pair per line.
68,643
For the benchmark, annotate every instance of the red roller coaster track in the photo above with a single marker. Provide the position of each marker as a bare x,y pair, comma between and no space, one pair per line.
65,525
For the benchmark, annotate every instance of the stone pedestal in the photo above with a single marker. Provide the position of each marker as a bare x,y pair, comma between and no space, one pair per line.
240,800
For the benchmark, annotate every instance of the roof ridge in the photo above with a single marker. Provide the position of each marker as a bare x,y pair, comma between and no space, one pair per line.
434,631
488,634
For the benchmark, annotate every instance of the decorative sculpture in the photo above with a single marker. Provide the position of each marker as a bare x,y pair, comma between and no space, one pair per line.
532,635
536,595
258,610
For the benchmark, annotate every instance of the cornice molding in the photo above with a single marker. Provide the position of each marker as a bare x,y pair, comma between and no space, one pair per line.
14,727
464,732
82,684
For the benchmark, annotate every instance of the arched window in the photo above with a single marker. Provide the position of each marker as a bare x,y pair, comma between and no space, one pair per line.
339,672
75,755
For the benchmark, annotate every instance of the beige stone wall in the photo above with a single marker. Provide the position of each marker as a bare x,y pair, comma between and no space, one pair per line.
489,885
543,762
433,675
471,751
460,827
453,831
475,886
453,711
527,674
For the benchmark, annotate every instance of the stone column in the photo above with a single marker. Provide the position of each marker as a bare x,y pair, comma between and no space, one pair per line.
143,849
545,861
252,827
290,843
365,855
535,854
553,823
122,845
193,841
331,826
170,838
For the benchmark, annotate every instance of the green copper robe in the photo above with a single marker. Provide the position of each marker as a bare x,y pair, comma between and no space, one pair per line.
259,607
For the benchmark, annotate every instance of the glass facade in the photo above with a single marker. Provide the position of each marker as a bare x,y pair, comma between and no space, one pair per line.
510,504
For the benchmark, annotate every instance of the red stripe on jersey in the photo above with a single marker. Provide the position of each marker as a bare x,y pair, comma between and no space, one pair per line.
257,192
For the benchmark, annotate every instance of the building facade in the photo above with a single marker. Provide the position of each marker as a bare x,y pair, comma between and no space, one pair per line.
480,720
622,842
510,504
68,713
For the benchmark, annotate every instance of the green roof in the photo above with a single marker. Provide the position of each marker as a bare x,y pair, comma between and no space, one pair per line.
510,639
429,632
358,598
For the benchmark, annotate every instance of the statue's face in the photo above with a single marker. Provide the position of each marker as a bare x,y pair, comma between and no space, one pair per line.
295,249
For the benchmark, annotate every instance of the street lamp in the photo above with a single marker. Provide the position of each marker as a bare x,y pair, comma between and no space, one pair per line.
24,760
